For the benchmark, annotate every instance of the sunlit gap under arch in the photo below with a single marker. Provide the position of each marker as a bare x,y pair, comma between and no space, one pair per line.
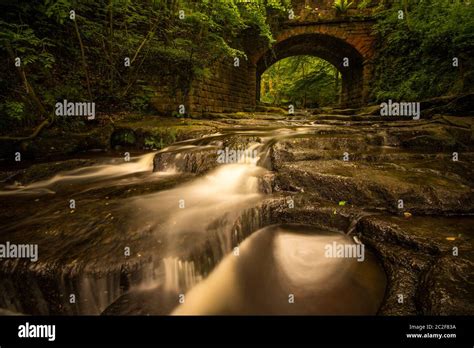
304,81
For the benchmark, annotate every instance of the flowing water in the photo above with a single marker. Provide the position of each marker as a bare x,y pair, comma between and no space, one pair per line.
283,269
174,232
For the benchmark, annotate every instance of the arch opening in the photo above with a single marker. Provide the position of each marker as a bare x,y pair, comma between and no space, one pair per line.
303,81
343,56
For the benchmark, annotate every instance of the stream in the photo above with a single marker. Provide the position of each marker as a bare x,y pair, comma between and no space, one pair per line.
177,231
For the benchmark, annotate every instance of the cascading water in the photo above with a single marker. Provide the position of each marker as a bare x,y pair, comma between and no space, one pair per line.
135,229
283,269
105,174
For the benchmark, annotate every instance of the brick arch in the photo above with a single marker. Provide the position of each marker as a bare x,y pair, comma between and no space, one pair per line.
332,41
329,48
233,88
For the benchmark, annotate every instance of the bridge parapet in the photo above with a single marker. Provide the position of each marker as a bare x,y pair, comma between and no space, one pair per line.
323,10
345,40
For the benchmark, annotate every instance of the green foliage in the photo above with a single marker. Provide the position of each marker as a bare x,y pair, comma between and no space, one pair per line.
22,39
58,9
141,100
154,142
304,81
13,113
64,58
364,4
342,6
15,110
124,137
415,55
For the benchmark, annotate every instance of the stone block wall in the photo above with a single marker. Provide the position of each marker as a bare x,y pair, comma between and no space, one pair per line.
166,102
227,89
233,89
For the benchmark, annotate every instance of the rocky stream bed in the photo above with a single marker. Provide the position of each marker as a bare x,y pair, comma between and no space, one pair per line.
403,188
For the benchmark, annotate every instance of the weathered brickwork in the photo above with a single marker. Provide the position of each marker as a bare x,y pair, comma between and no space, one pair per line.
229,89
333,41
322,33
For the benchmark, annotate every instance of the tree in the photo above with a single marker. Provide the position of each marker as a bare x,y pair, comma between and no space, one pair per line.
301,80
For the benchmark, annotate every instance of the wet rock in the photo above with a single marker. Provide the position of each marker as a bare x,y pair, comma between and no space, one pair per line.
4,312
388,161
436,102
197,158
375,175
59,142
271,109
432,142
81,251
401,259
154,301
447,288
198,161
455,105
401,289
270,266
41,171
413,253
370,110
266,183
382,186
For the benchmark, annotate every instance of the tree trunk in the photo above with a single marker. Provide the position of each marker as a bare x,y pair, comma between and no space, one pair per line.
29,89
83,56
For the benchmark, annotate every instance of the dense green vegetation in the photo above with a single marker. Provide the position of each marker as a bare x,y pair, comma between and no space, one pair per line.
303,81
81,55
418,41
425,49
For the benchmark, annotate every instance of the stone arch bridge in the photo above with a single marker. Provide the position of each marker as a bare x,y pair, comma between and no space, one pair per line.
318,30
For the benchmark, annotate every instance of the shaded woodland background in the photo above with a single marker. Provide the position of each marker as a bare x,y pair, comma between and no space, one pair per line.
83,59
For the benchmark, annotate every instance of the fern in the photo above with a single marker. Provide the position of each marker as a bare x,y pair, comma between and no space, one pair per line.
342,6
